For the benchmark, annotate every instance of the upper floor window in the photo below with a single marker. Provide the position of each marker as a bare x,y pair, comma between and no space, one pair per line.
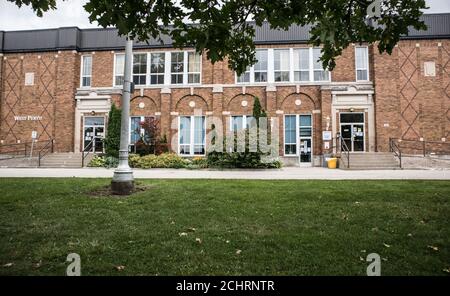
119,68
301,64
362,63
320,74
245,77
260,68
86,70
157,68
140,69
177,67
281,65
194,62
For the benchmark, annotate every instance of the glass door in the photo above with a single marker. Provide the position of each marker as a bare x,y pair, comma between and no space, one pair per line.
305,139
352,131
94,133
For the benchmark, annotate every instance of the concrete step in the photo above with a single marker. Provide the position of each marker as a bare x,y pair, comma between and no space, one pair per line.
370,161
64,160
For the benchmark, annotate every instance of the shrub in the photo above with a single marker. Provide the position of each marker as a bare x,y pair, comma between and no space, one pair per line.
103,162
197,163
165,160
112,140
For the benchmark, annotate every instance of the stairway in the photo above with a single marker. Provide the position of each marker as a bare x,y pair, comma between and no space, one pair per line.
370,161
64,160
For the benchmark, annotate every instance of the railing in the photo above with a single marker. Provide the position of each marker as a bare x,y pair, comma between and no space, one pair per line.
90,148
422,147
344,148
49,147
394,148
17,150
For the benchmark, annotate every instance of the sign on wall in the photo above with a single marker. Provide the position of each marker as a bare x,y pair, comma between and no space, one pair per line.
327,136
28,118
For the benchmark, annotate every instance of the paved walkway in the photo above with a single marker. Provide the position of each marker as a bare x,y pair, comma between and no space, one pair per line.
282,174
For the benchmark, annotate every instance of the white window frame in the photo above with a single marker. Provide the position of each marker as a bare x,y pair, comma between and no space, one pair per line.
192,136
297,135
187,68
114,69
251,71
149,68
367,63
82,70
244,121
314,69
299,49
141,118
289,70
140,74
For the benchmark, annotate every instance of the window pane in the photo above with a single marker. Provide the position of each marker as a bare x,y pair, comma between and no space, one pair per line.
362,74
290,134
177,66
305,132
305,120
199,130
261,57
140,69
352,118
237,123
157,63
260,76
193,78
361,57
317,54
135,129
301,59
301,75
94,121
251,122
119,80
185,130
87,65
193,62
120,65
281,76
86,81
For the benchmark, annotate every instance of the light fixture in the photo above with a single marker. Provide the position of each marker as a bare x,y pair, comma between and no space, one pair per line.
352,109
92,113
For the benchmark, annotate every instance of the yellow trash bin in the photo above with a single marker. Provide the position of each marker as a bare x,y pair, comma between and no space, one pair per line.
332,163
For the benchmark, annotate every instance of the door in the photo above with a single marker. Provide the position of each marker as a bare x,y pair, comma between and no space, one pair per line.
305,139
352,131
94,133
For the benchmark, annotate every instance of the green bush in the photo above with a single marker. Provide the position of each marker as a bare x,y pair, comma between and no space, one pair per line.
165,160
103,162
112,140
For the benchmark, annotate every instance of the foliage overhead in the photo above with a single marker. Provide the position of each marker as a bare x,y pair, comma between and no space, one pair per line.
222,28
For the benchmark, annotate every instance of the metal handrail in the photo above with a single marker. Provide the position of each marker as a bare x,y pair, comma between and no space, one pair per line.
394,148
88,149
344,148
44,151
423,145
15,151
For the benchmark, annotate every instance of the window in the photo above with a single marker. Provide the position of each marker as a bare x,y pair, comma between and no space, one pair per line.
301,64
298,136
260,68
240,122
362,64
194,67
177,67
119,68
320,74
281,65
140,69
157,67
192,134
290,135
86,71
245,77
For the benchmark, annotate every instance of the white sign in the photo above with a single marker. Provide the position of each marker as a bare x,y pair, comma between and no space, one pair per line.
29,79
34,135
28,118
326,136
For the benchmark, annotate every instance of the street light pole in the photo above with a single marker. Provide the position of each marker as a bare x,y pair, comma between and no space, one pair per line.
123,181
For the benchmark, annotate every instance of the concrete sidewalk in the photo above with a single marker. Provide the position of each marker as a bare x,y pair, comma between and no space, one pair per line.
288,173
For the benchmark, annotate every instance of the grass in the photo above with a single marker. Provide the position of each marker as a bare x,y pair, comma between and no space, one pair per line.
280,227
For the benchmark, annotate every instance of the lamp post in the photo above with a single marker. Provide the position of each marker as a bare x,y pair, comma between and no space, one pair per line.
123,181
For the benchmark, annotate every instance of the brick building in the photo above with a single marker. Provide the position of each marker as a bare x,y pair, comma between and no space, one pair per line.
62,82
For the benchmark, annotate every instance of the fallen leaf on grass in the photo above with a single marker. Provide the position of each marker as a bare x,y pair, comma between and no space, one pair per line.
182,234
433,248
38,264
120,267
198,240
8,264
386,245
361,259
227,241
191,229
447,270
238,252
410,235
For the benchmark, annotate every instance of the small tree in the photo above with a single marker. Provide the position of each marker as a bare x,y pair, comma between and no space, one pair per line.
112,140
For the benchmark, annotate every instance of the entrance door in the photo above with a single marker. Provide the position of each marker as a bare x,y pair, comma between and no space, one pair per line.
305,139
352,131
94,133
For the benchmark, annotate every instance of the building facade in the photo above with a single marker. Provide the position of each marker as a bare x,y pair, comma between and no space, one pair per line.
61,83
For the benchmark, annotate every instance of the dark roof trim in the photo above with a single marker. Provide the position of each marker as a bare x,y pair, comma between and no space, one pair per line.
97,39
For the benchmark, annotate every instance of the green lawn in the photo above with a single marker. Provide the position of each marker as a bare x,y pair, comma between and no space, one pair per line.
281,227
